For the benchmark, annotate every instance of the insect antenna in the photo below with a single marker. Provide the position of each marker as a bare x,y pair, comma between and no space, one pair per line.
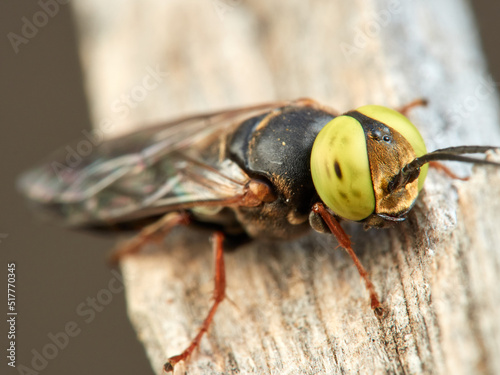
411,171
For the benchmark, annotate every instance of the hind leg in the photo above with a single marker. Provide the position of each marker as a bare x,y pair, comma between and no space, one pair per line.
219,295
151,233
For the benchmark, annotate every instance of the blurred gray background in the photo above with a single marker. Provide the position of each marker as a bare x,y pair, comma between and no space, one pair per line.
43,106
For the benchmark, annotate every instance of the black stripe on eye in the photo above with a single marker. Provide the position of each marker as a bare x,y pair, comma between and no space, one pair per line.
338,171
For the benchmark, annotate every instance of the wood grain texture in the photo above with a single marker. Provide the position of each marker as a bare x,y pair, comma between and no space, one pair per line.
300,307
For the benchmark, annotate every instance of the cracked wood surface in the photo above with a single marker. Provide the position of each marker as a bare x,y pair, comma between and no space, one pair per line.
300,307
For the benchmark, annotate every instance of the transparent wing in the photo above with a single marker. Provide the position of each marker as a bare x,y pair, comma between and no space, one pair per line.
170,166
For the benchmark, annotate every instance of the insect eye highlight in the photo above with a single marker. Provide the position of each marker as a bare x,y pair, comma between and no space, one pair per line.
381,135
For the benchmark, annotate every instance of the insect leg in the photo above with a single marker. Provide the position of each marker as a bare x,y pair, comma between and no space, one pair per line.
447,171
153,231
345,242
219,295
415,103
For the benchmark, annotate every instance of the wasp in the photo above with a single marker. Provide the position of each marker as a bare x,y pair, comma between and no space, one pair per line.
269,171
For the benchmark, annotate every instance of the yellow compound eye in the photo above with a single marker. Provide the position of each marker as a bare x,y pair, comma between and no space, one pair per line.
402,125
340,169
344,172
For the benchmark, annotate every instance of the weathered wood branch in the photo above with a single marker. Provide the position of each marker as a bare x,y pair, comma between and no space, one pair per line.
300,307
